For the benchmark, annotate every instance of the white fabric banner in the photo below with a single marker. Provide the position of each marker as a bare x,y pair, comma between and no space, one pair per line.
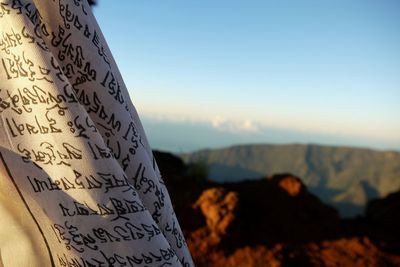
78,182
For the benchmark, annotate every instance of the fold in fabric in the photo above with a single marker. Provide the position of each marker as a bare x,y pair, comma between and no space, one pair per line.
78,183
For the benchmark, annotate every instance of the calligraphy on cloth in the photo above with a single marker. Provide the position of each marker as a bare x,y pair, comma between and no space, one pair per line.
78,183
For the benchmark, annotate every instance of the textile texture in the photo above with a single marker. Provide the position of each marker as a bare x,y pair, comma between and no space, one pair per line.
78,183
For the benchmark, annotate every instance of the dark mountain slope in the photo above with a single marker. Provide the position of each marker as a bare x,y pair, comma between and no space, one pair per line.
276,222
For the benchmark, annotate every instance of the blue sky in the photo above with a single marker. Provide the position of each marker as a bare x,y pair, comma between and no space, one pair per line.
327,70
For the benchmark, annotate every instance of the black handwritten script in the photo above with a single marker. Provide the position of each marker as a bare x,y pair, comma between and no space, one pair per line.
73,153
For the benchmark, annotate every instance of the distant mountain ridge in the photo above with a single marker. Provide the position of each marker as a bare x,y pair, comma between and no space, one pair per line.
344,177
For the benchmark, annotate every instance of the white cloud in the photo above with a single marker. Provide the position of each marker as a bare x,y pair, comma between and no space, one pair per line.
374,132
218,122
225,125
250,126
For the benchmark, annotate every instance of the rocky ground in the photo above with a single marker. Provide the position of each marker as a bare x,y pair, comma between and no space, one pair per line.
276,221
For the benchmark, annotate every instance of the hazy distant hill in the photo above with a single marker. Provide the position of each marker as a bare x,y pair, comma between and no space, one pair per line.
342,176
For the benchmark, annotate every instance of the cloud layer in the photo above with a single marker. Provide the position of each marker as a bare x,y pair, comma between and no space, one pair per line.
243,126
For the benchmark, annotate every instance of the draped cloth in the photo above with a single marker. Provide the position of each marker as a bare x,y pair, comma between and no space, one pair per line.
78,183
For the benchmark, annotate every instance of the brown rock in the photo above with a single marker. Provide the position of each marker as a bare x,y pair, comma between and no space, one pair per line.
292,185
218,207
252,257
281,210
348,252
